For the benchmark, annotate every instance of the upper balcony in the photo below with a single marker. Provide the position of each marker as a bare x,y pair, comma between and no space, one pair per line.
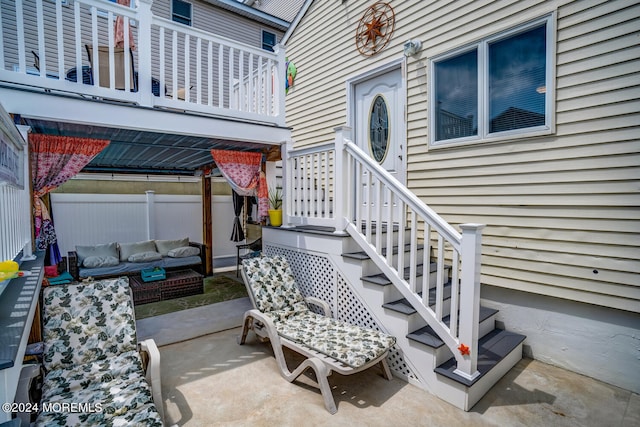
129,57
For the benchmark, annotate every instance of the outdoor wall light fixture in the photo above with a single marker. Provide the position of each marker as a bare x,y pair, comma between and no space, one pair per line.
411,47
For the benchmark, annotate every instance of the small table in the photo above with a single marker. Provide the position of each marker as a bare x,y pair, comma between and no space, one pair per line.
177,284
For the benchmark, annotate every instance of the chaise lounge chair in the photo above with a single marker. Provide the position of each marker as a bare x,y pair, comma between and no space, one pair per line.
282,315
96,373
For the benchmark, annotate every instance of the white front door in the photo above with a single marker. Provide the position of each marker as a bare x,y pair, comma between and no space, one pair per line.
380,131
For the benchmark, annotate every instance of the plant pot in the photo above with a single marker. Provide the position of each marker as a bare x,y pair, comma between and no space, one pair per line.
275,217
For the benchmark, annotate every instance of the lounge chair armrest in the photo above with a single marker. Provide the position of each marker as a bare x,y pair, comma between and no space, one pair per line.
326,309
151,355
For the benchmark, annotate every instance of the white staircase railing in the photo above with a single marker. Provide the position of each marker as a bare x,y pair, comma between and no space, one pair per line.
324,186
66,47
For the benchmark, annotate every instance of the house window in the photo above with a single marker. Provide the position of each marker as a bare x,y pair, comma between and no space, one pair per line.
497,87
181,12
268,40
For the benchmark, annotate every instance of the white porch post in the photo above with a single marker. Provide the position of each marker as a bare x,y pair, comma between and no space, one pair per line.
151,214
144,52
287,183
25,233
278,90
470,253
341,180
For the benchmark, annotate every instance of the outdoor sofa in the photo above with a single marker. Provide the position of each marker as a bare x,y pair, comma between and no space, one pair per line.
125,259
96,373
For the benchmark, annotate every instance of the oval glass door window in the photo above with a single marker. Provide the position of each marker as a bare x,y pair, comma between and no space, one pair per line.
379,129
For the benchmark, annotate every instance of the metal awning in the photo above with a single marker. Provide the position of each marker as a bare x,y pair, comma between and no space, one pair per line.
136,151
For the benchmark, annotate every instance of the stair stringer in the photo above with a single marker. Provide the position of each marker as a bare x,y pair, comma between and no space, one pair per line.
420,358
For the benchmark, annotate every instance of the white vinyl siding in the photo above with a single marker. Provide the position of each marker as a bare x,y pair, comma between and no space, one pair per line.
562,210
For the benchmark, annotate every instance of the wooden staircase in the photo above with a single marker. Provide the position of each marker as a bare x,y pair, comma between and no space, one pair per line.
433,362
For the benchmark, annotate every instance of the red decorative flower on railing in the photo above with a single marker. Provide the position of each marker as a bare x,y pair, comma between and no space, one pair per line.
464,350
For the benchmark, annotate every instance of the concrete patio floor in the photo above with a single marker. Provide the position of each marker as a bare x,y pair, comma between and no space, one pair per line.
213,381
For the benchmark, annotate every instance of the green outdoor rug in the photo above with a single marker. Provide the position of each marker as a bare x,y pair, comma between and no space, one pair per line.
217,288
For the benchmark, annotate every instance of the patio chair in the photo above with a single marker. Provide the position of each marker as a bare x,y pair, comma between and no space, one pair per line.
282,315
118,67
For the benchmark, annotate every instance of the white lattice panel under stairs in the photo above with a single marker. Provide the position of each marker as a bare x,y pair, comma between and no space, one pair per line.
316,277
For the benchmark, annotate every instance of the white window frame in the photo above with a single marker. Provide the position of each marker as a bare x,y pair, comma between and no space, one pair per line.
190,13
482,48
275,38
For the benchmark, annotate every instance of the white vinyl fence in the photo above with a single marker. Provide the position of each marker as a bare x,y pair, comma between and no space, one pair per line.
89,219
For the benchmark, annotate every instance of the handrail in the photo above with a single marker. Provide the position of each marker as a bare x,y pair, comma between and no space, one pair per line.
407,196
335,169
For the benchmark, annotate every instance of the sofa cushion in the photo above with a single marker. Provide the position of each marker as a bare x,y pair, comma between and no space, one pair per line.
164,246
86,322
116,384
183,251
128,249
100,261
145,257
84,251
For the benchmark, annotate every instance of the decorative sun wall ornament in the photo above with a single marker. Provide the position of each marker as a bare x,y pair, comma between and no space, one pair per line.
375,28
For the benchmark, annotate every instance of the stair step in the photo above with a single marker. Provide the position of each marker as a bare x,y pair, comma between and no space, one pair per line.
362,255
493,347
403,306
382,280
427,336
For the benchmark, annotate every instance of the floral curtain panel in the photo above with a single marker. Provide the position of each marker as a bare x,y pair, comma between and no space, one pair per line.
118,29
54,160
242,170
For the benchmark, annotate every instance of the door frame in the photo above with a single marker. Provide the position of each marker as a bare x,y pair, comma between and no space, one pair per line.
352,82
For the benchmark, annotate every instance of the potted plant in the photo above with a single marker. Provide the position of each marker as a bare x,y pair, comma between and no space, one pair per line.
275,202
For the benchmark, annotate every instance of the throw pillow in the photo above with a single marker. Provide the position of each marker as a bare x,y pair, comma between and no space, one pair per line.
128,249
145,257
84,251
164,246
183,252
100,261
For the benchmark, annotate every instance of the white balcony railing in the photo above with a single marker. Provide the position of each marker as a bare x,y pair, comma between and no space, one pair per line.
324,186
44,44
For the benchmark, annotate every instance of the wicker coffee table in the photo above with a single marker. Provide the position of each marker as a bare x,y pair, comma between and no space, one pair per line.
177,284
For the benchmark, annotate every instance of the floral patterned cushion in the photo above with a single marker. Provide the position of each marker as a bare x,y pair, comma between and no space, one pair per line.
350,344
276,295
121,396
273,285
87,322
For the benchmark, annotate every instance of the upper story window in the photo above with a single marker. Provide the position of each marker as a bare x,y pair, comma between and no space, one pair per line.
268,40
181,12
498,87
